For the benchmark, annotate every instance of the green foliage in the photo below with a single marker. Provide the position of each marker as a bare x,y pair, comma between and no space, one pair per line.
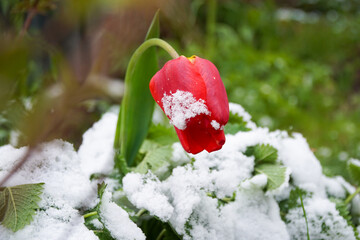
235,124
155,229
344,211
103,233
18,204
292,202
262,153
157,160
294,69
276,175
137,105
354,170
162,134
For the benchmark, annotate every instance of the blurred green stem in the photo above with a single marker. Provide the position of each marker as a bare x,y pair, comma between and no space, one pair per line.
90,214
210,27
349,198
150,43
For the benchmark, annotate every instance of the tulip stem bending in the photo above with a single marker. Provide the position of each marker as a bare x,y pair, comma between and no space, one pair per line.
150,43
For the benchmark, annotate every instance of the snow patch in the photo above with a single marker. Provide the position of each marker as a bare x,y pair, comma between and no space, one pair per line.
324,221
96,151
215,125
66,189
181,106
117,221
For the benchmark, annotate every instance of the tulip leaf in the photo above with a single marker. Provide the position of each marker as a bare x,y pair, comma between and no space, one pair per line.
354,170
18,205
137,105
157,160
275,174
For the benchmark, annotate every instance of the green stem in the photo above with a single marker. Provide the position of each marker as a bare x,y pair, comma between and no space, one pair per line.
140,212
90,214
349,198
150,43
303,208
162,233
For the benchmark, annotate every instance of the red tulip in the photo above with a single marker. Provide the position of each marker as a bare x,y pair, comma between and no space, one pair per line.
193,97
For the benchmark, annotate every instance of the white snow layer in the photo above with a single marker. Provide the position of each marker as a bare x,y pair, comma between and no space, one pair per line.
96,151
181,106
116,220
66,188
189,196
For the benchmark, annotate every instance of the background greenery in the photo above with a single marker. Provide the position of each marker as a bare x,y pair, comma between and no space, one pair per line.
293,65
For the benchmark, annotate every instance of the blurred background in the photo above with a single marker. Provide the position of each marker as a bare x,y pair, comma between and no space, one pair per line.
293,65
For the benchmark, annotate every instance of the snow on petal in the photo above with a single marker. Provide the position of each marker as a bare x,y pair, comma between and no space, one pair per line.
181,106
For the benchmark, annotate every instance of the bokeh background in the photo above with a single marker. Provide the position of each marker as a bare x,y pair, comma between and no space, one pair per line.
293,65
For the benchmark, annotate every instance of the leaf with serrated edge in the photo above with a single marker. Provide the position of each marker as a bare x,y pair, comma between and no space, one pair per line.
265,153
154,160
18,205
275,174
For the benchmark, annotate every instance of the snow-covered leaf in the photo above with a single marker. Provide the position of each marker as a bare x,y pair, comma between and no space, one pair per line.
155,160
354,170
18,204
276,175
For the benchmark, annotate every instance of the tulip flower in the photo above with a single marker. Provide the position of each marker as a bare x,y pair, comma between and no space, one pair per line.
192,95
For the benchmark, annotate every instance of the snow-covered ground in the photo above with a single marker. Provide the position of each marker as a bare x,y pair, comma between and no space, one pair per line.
182,199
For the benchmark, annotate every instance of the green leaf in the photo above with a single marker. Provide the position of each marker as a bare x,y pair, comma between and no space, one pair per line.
137,104
262,153
354,170
233,128
276,175
163,135
18,204
147,146
156,160
235,124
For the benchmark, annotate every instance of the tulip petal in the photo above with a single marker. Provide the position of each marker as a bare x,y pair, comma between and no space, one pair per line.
193,97
216,100
199,136
177,74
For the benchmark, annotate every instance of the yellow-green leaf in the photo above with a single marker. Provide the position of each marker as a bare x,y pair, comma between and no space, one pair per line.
18,205
275,174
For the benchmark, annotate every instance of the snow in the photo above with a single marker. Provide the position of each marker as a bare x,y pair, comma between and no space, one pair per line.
324,221
215,125
145,192
181,106
354,161
296,154
207,196
240,111
66,188
96,151
117,221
